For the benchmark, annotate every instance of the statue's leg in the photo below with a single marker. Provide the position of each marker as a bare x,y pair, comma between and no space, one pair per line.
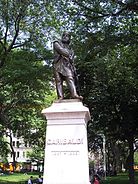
72,88
59,85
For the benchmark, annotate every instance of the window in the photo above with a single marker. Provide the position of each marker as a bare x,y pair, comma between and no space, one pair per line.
13,143
18,154
25,144
14,134
23,154
17,144
27,154
29,144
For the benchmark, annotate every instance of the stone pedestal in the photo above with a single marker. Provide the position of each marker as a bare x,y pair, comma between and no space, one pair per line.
66,153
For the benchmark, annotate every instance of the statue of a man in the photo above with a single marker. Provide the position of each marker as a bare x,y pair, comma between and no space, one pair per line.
64,69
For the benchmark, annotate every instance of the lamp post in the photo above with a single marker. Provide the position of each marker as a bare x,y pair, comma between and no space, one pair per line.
104,155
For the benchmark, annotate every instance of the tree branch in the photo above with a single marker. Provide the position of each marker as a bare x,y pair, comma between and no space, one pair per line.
19,45
17,27
6,33
129,6
17,22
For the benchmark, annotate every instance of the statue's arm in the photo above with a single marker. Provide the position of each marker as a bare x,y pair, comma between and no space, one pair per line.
60,49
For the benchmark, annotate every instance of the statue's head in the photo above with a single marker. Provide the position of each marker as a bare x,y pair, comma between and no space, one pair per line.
66,37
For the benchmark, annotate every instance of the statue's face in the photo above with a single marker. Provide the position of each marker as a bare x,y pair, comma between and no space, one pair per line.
66,38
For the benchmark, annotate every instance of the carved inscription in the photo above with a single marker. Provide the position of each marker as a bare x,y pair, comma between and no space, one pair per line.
65,141
65,153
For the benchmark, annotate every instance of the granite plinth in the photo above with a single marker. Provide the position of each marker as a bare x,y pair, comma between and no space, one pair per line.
66,153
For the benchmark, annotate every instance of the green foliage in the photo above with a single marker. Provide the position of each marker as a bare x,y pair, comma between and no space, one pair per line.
3,150
37,154
25,24
25,28
25,87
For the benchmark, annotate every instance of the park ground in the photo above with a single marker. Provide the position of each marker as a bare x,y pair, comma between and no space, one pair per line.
20,178
121,178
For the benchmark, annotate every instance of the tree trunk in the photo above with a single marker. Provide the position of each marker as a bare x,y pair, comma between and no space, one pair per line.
13,153
131,161
114,163
108,162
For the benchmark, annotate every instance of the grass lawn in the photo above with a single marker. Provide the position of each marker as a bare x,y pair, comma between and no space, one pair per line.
16,178
19,178
119,179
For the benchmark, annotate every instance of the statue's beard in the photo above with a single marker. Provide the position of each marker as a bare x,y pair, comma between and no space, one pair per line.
66,41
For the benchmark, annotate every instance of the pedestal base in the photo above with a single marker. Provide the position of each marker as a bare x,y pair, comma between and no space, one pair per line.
66,153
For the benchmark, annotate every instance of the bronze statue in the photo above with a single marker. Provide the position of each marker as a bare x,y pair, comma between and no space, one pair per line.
64,69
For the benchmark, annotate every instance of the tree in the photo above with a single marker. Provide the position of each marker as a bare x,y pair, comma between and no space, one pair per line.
112,95
23,97
24,24
24,32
